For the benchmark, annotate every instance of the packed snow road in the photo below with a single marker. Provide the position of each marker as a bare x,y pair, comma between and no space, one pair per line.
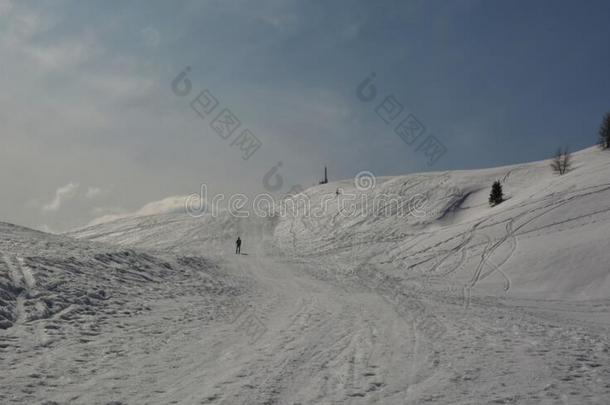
284,330
280,336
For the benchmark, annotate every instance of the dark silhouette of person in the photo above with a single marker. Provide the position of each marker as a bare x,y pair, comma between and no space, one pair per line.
238,246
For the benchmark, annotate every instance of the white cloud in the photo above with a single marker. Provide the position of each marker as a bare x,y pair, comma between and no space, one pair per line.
93,192
28,34
65,54
5,7
23,24
62,195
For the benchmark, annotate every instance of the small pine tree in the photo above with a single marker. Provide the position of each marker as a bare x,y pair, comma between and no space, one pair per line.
604,132
496,196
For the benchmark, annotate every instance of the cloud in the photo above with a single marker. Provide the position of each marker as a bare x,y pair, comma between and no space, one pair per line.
61,56
93,192
62,195
5,7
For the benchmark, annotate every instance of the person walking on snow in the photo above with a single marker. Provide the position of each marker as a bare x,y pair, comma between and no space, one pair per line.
238,246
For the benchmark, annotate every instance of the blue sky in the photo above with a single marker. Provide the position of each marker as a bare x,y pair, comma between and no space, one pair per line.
91,126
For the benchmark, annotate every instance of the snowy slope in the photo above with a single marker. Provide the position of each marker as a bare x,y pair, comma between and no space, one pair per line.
77,314
450,302
547,240
550,231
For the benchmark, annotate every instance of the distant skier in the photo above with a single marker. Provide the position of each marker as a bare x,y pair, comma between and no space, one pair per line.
238,246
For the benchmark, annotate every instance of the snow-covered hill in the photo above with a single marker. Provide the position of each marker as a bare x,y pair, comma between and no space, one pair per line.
418,292
547,240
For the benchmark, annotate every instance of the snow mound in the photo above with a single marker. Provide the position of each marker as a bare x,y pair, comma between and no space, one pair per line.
54,277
